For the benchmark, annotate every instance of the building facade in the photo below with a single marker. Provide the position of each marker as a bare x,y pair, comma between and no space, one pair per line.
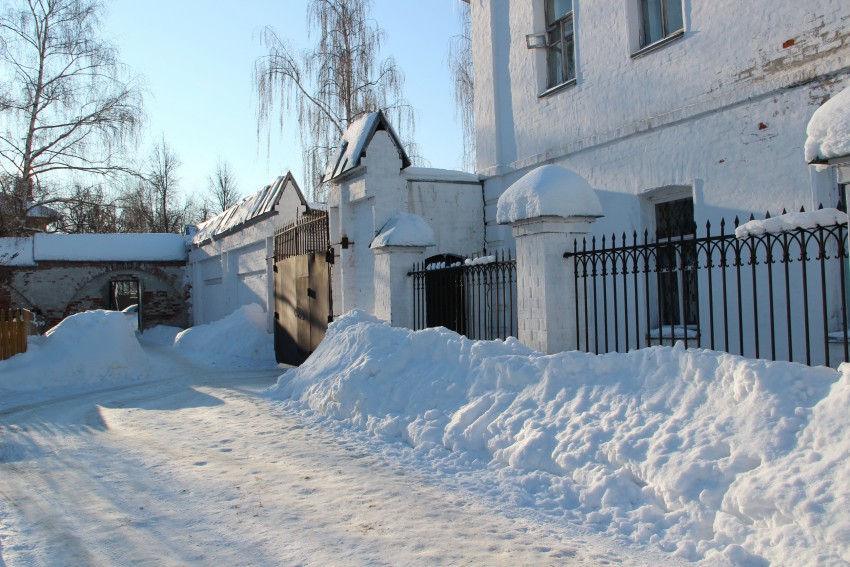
230,258
702,105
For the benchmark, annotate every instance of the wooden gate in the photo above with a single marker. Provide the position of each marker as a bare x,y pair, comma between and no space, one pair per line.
15,326
302,287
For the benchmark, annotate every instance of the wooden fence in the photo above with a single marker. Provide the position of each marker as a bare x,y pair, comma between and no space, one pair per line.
15,326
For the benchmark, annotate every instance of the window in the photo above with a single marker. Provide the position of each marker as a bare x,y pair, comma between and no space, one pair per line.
560,43
659,19
676,263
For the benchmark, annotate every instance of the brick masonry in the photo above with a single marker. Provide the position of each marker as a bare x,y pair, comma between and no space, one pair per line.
60,289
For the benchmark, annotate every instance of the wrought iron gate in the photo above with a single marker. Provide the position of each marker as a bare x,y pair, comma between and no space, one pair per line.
302,287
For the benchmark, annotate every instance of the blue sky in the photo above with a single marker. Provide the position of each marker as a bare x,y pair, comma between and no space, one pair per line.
197,56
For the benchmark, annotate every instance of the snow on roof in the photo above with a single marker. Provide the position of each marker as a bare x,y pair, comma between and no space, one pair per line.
109,247
16,252
829,129
548,191
8,207
353,145
404,229
434,174
791,221
249,208
43,211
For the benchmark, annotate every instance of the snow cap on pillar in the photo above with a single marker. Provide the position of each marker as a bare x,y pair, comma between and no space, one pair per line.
828,131
404,229
548,191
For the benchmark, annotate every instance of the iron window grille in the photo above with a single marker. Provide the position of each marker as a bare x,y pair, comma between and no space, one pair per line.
677,277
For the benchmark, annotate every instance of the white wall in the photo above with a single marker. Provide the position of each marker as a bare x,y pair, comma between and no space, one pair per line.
362,201
236,269
452,203
233,271
723,109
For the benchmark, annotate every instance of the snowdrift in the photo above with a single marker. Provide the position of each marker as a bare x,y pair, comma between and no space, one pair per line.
704,454
239,339
86,348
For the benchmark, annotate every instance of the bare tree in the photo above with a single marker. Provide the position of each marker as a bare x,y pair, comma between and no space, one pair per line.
223,189
67,104
331,85
88,209
152,203
163,164
460,65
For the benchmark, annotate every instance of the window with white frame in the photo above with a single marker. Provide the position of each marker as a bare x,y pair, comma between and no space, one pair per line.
659,19
560,42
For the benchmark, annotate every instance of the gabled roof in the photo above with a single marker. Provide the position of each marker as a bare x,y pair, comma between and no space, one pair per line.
356,139
250,209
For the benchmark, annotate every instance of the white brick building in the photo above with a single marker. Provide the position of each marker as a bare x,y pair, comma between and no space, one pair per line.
714,110
230,257
673,113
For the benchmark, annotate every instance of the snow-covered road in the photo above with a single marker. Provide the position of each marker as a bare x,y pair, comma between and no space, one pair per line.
196,468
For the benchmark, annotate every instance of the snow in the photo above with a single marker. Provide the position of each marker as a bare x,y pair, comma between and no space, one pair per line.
548,191
86,348
353,144
239,339
791,221
437,174
195,466
664,332
101,347
703,455
109,247
480,261
828,130
390,446
252,207
16,252
404,229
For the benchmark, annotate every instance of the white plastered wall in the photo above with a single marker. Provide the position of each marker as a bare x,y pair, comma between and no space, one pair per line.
366,197
722,109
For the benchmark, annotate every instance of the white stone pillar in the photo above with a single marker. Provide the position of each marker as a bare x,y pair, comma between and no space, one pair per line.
546,289
548,208
393,287
401,242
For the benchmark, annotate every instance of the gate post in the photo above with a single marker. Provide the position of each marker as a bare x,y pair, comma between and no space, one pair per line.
393,293
548,209
400,243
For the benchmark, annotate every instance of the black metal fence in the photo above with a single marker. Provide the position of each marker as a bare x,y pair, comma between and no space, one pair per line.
781,296
308,234
474,296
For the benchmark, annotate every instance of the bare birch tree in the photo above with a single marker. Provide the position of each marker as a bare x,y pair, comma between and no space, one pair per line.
153,202
460,65
332,85
88,209
66,104
222,188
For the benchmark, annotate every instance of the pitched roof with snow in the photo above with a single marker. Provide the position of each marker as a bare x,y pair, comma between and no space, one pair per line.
250,209
353,145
